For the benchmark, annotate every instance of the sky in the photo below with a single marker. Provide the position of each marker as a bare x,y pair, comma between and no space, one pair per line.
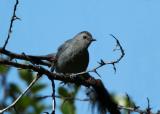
45,24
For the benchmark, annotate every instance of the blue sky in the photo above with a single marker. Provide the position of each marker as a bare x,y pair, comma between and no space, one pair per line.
46,24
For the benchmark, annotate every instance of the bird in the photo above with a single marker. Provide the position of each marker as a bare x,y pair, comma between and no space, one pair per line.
73,57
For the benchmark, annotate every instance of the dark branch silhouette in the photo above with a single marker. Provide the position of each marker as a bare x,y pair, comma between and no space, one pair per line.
14,17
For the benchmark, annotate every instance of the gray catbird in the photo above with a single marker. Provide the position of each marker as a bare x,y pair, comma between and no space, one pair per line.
73,57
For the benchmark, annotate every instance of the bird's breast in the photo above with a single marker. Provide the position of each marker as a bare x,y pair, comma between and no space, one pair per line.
72,61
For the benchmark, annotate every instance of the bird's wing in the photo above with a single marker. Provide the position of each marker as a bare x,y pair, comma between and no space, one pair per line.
64,46
51,55
42,57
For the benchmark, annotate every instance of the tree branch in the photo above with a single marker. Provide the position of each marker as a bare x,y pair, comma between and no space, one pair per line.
55,76
26,57
14,17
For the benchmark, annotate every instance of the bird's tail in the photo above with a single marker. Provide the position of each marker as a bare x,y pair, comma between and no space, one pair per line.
44,57
101,99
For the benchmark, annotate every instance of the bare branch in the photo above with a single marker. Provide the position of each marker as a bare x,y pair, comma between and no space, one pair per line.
148,107
26,57
120,48
14,17
55,76
22,94
53,96
61,97
140,111
132,109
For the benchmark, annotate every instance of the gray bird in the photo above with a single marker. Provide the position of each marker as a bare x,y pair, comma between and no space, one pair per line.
73,57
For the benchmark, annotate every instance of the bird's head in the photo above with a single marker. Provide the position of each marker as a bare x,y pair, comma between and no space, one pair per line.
84,39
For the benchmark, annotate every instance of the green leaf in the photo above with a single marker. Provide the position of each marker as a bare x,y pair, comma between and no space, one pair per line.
23,104
76,89
14,90
124,100
4,69
37,87
68,108
38,108
63,92
26,75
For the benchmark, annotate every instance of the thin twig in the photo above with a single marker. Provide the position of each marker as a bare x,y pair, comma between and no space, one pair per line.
22,94
14,17
53,96
140,111
131,109
148,107
61,97
15,109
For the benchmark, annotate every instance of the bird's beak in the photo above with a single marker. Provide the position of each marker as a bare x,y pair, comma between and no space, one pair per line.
93,40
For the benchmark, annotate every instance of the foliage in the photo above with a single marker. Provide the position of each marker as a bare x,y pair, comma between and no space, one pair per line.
4,69
68,95
28,104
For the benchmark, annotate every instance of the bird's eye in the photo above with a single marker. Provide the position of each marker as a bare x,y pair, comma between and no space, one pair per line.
84,37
